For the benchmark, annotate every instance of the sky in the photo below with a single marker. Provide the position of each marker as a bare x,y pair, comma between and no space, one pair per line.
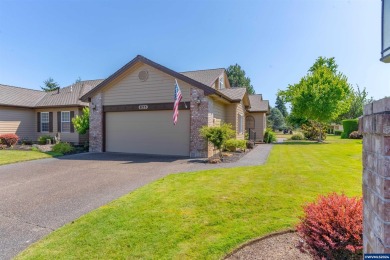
274,41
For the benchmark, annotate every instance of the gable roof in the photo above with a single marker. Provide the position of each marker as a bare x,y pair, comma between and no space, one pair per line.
21,97
207,90
206,77
258,104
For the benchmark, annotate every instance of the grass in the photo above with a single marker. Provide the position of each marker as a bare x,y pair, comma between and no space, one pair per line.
14,156
207,214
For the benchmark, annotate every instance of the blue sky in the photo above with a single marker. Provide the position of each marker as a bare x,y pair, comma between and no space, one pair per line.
275,42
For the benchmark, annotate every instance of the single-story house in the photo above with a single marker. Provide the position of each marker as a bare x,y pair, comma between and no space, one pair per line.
131,110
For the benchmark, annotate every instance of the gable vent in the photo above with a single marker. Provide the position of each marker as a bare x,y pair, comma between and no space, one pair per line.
143,75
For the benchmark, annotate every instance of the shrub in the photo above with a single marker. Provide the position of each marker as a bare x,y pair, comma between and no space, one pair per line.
338,132
27,142
9,139
297,136
81,122
349,125
332,227
217,135
63,148
355,135
43,139
269,136
233,144
312,131
250,144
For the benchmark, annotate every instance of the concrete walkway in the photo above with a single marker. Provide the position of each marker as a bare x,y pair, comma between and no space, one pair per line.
40,196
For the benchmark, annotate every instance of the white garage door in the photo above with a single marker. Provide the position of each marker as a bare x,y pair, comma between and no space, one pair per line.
148,132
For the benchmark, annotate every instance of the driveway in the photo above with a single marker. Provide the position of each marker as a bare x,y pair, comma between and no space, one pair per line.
37,197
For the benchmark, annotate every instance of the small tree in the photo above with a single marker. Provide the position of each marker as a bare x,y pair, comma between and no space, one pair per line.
217,135
81,123
50,85
277,119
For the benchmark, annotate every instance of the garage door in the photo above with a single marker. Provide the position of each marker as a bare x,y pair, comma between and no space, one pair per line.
148,132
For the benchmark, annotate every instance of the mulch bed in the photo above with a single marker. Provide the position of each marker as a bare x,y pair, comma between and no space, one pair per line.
227,157
278,246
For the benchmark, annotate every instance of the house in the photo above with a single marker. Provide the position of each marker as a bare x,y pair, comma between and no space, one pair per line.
131,110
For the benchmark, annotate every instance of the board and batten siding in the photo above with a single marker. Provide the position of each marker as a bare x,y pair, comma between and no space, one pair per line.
65,137
18,121
158,88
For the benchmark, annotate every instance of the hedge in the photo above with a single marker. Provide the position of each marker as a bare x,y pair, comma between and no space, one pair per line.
349,126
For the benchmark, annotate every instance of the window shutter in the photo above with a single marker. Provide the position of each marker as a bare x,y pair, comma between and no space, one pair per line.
71,123
50,122
59,121
39,122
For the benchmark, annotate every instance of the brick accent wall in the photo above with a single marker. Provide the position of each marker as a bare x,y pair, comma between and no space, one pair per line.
375,126
96,124
199,118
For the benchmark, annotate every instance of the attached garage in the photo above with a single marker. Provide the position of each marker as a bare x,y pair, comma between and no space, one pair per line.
147,132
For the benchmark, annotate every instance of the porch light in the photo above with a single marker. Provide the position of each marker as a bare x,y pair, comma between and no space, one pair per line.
385,31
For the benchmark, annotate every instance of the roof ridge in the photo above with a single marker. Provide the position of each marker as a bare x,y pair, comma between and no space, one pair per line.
22,88
201,70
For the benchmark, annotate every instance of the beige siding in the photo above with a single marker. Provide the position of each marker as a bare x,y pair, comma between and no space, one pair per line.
219,113
240,111
148,132
158,88
18,121
65,137
232,112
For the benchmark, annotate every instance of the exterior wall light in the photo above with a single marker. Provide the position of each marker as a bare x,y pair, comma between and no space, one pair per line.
385,31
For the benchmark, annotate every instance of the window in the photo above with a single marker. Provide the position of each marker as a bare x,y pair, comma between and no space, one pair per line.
221,83
240,124
44,121
65,122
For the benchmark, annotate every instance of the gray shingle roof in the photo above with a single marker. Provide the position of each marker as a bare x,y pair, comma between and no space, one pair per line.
233,93
16,96
206,77
258,104
68,96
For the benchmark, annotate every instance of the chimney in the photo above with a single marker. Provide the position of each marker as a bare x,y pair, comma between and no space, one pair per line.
58,90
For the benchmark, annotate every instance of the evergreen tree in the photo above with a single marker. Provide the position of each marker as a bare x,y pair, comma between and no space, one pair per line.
50,85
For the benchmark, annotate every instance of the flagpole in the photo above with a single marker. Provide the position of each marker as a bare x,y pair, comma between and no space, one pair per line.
183,101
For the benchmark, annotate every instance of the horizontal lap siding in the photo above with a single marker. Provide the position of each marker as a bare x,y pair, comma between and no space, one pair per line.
259,125
158,88
240,111
219,112
65,137
18,121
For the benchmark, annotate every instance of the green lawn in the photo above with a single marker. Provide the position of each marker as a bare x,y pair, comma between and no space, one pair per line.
13,156
207,214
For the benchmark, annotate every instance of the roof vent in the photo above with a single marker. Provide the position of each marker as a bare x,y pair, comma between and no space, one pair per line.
143,75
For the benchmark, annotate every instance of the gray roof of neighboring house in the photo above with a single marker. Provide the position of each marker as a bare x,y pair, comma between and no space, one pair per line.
16,96
68,96
258,104
206,77
234,93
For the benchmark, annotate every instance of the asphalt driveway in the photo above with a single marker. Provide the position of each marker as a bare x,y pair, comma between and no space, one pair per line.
37,197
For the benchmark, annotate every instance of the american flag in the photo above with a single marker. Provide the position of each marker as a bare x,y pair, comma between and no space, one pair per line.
177,99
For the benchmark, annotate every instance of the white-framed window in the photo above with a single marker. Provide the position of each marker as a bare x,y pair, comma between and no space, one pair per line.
45,122
221,83
65,121
240,124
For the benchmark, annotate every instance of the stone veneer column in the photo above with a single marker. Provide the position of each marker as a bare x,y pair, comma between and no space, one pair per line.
96,124
375,126
199,118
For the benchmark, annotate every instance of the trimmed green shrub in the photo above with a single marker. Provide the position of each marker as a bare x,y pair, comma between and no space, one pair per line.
312,131
42,139
233,144
9,139
217,135
269,136
338,132
63,148
355,135
349,125
297,136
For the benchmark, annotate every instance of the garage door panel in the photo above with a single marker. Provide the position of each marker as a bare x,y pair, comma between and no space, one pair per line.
148,132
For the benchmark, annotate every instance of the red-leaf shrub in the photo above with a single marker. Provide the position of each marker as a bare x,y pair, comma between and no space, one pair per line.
9,139
332,227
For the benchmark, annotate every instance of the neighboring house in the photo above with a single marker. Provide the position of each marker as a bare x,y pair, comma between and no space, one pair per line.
131,111
32,113
335,127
